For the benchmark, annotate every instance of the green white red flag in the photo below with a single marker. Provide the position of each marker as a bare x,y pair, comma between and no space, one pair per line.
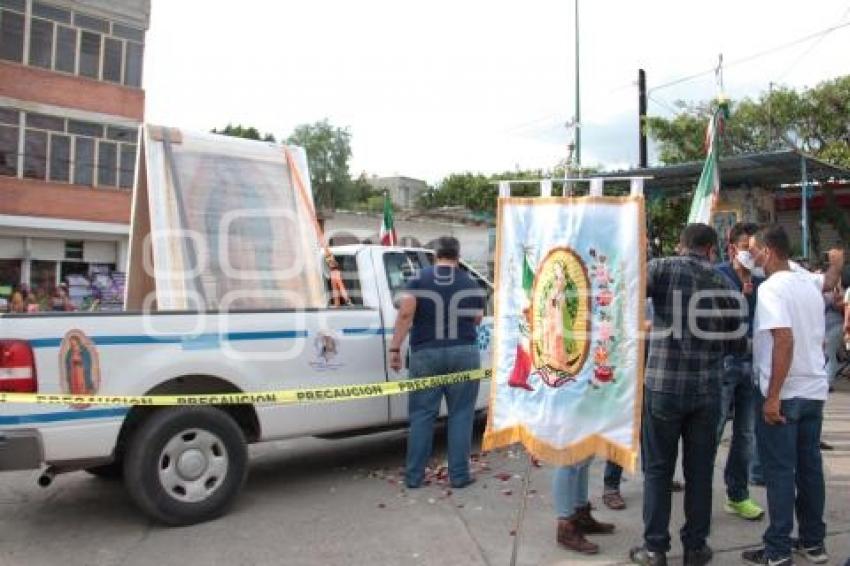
708,187
388,234
522,364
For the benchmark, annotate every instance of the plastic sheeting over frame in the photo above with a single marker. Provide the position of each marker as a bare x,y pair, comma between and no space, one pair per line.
218,223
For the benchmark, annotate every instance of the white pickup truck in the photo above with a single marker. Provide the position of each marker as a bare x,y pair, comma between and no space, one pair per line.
183,465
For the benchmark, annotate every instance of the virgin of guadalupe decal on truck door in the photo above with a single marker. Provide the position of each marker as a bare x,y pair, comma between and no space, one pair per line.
79,366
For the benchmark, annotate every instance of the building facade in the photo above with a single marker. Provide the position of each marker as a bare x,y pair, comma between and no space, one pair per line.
71,104
403,191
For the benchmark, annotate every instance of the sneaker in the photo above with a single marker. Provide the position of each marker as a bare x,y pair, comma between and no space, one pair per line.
814,554
640,555
746,509
760,557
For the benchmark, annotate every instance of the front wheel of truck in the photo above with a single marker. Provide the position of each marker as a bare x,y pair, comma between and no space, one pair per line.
186,465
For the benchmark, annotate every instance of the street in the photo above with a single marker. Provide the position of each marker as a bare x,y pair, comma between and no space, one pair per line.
339,502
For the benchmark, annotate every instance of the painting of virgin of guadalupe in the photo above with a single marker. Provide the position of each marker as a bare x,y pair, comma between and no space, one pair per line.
233,229
560,321
79,365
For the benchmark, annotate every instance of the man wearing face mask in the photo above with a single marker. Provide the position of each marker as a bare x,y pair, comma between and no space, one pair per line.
737,392
696,322
788,357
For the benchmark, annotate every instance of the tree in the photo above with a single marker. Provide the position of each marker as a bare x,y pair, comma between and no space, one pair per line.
328,152
239,131
812,120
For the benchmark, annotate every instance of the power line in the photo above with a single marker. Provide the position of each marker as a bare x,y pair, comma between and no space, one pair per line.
811,48
663,104
749,58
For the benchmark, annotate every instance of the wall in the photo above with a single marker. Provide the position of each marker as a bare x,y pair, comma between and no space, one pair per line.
28,197
46,87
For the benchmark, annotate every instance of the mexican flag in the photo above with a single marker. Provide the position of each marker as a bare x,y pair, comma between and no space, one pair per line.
522,364
388,235
708,187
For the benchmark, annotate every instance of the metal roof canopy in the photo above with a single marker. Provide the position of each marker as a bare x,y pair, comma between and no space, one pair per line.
767,170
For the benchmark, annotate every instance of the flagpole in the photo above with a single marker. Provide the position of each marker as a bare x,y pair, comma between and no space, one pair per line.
578,101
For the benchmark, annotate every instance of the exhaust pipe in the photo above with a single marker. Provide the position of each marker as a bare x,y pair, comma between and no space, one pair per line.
46,477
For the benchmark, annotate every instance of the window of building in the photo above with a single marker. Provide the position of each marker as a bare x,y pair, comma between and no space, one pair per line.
67,150
113,53
45,122
108,51
35,154
66,49
127,172
42,276
83,161
107,164
41,43
60,158
91,23
85,128
9,150
133,65
73,249
11,36
118,133
51,13
90,54
10,275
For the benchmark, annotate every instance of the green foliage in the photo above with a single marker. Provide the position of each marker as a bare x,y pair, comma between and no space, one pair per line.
239,131
477,192
328,152
813,120
666,218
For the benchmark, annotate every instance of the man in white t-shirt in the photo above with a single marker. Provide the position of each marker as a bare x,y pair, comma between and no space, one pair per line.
789,362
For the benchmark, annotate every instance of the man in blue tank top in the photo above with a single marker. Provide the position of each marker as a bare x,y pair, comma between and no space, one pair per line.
441,310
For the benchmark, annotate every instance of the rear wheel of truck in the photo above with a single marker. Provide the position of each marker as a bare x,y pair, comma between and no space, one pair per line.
186,465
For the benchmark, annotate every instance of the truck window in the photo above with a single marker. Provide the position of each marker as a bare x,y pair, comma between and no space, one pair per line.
350,277
401,267
485,286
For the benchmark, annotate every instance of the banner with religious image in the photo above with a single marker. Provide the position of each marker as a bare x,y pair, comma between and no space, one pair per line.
568,365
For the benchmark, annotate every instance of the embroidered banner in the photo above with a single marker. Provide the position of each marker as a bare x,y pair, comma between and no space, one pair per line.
568,366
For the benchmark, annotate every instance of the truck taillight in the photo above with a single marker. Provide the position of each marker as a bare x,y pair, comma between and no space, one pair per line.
17,367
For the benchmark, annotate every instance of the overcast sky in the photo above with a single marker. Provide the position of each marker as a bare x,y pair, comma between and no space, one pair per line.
430,88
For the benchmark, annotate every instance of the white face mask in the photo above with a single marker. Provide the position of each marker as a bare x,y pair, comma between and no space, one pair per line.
746,260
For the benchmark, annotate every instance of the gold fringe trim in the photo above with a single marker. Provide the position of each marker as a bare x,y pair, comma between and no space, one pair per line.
594,445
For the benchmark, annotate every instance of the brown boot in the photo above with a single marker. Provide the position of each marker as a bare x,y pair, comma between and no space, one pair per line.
571,537
589,525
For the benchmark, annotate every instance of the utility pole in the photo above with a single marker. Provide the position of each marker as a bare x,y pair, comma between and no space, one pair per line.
642,157
770,115
578,101
804,212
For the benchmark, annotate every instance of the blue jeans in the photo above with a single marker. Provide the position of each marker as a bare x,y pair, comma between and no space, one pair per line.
613,476
738,394
424,407
834,338
569,488
791,459
667,418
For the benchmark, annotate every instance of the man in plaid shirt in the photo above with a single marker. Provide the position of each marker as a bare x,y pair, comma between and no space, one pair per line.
698,319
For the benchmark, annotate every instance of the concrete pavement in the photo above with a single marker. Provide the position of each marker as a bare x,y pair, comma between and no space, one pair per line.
338,502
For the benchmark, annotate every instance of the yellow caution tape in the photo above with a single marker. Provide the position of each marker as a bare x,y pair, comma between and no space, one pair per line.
286,397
